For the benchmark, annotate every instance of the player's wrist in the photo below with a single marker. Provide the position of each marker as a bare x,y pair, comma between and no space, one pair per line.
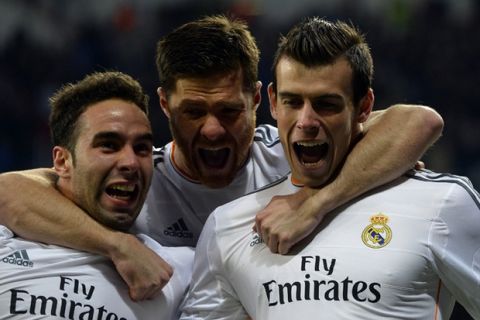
118,244
321,202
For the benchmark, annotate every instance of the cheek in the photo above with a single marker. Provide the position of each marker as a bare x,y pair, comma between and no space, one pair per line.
147,166
342,135
286,123
183,129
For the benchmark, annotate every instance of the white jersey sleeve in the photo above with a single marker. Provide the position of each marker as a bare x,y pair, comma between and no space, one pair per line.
211,295
455,242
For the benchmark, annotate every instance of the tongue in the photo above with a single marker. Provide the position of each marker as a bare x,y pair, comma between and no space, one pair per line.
215,158
312,154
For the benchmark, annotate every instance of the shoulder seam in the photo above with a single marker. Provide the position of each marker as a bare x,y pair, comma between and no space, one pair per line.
462,182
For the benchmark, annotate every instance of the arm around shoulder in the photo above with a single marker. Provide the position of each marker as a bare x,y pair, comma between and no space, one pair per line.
394,140
21,192
34,209
417,124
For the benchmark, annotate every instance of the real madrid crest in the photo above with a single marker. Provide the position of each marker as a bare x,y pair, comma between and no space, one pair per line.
377,234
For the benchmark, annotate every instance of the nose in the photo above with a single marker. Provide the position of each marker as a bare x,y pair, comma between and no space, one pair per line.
212,129
308,119
128,160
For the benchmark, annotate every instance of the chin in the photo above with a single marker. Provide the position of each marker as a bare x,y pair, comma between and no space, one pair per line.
216,182
121,225
311,180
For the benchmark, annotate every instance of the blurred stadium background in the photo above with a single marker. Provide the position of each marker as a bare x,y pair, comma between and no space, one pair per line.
425,51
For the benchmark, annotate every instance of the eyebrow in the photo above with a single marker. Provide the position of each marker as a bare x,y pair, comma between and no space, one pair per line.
116,135
189,102
229,104
333,96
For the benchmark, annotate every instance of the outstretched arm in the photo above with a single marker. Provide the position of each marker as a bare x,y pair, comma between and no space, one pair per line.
395,139
33,208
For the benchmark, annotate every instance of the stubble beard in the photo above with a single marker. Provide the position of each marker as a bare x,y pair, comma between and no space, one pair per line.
240,152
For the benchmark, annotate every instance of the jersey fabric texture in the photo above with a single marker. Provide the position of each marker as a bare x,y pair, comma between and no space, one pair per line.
407,250
176,207
39,281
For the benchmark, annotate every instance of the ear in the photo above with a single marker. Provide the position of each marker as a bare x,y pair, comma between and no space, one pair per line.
366,106
272,98
257,98
62,162
162,96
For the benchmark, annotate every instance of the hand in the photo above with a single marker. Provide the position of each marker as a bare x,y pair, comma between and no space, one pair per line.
144,272
285,221
419,165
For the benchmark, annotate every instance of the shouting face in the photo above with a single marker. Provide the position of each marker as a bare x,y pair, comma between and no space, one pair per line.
316,118
212,121
110,171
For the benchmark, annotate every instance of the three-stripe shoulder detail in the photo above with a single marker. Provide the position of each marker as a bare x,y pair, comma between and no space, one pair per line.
266,135
463,182
158,155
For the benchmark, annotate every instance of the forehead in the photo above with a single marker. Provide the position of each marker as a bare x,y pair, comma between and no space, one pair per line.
224,86
113,115
334,78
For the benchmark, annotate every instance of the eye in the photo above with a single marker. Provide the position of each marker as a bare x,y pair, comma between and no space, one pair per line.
193,113
143,149
230,112
292,102
108,145
327,106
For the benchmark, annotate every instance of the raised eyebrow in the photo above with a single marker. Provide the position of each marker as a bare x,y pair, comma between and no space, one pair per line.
189,103
147,136
286,94
106,135
329,96
332,96
109,135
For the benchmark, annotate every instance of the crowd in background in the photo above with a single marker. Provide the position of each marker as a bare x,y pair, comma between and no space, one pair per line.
425,51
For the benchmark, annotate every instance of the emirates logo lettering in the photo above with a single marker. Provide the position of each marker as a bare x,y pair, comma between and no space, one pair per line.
309,288
75,302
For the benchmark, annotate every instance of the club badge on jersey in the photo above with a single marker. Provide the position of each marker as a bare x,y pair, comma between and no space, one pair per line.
377,234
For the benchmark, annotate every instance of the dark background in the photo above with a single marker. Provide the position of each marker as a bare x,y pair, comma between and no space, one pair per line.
425,52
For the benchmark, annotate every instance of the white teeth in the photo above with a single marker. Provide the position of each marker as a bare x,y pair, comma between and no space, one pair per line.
309,143
213,149
310,164
124,187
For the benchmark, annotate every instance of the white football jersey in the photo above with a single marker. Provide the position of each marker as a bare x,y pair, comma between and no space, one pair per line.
407,250
176,207
39,281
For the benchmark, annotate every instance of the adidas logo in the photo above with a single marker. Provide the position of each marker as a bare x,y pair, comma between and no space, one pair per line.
178,229
20,258
256,240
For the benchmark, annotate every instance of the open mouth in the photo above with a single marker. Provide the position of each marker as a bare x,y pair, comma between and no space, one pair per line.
124,192
310,153
213,157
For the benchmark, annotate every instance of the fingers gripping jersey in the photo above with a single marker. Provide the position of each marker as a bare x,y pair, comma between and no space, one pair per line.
40,281
176,207
406,251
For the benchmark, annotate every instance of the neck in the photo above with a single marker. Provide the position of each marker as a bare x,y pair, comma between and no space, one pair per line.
178,160
64,187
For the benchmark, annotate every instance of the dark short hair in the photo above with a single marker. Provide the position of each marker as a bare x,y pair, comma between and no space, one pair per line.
315,41
208,46
72,99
